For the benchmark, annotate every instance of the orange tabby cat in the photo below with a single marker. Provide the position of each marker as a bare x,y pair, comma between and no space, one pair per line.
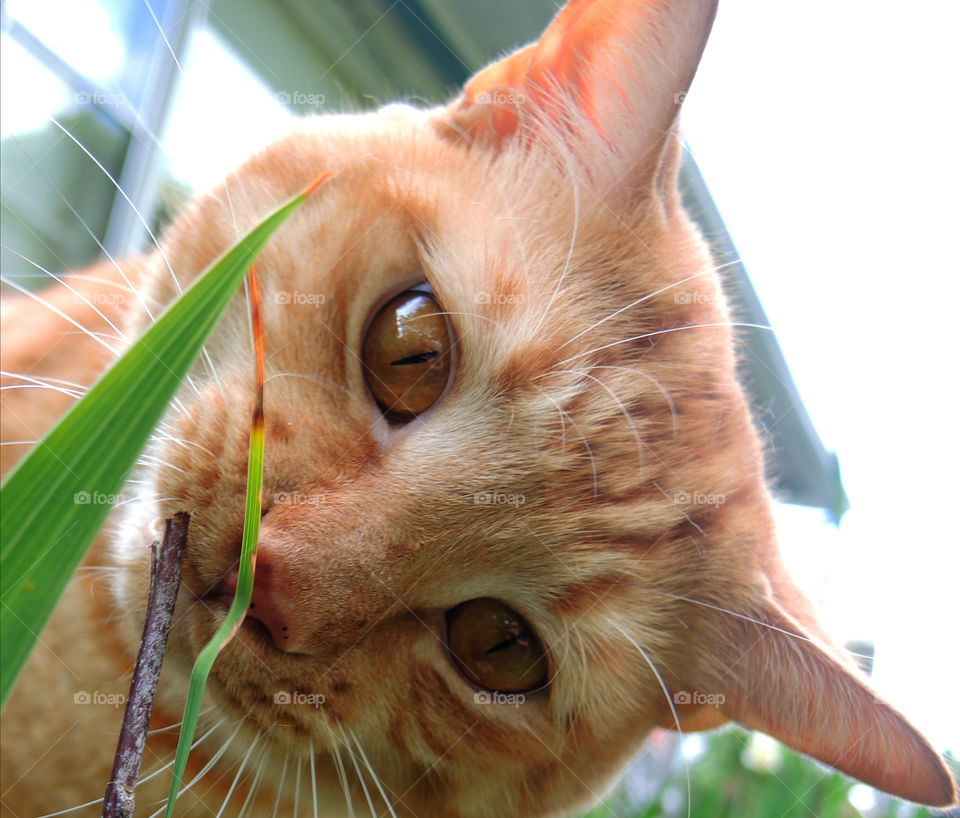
492,556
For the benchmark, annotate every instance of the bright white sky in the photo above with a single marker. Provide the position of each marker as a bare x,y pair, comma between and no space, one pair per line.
828,134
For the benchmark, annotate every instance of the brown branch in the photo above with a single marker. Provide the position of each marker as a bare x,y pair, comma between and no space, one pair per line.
164,584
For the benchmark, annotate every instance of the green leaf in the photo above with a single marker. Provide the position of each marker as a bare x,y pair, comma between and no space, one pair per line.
49,505
238,609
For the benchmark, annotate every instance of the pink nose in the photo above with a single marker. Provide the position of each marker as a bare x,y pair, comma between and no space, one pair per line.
270,604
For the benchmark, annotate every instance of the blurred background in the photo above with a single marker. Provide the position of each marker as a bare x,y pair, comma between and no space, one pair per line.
819,164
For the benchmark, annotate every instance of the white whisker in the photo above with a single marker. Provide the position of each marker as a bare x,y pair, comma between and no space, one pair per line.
739,324
373,775
663,686
93,235
342,775
313,780
283,778
126,198
356,767
40,300
236,778
639,301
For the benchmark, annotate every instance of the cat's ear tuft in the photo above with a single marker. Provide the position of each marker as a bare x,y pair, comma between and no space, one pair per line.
623,66
774,676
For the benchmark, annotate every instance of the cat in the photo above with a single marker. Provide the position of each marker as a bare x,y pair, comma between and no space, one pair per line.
477,591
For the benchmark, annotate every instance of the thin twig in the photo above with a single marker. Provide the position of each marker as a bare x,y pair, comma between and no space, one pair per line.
164,584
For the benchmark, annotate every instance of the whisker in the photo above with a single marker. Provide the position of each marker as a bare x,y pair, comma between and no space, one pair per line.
139,782
342,775
211,763
373,775
564,414
283,778
739,324
313,779
127,199
296,788
93,235
254,787
236,778
356,767
647,297
646,657
655,382
572,176
163,36
736,614
63,283
42,301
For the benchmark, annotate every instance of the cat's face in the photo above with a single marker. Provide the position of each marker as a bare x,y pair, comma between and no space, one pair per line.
545,475
514,511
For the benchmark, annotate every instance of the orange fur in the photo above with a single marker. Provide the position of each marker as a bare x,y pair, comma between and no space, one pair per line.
584,386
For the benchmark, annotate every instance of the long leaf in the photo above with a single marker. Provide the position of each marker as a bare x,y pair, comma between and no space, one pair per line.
248,559
54,503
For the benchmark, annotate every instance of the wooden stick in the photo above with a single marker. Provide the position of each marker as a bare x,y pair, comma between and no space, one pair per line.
164,584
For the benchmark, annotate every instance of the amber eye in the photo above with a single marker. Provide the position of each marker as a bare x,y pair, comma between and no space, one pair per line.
406,355
494,647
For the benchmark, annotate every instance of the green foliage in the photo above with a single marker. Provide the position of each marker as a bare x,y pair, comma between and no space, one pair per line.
724,783
50,508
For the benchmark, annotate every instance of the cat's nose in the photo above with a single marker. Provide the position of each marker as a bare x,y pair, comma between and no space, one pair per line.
272,604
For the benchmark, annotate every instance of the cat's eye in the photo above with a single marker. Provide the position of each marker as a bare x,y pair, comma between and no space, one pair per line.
407,355
495,647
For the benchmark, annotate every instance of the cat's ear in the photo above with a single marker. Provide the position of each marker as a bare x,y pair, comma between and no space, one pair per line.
622,66
773,675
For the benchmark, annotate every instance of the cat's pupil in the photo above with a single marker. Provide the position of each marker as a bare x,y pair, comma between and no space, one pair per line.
407,355
494,647
509,642
419,358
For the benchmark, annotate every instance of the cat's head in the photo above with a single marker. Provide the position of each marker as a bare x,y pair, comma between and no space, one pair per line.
514,505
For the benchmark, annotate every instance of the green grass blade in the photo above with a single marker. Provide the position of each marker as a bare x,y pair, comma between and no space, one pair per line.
56,500
238,609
